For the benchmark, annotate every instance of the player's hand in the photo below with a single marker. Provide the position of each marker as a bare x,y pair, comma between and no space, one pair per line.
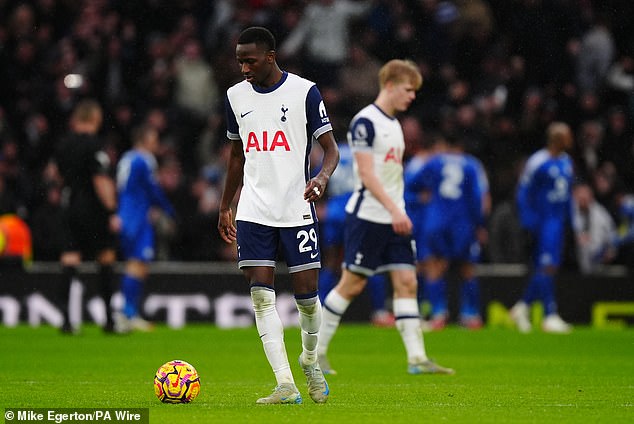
315,189
225,226
482,235
114,223
401,224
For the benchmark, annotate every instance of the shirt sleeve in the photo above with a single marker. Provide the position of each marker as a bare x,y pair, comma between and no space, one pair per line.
98,160
361,134
233,131
155,191
316,114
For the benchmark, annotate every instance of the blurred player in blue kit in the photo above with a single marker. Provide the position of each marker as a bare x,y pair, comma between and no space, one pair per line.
272,118
378,231
457,199
139,193
544,204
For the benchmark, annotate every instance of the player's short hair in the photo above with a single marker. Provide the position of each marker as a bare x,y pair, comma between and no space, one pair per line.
261,36
556,131
86,110
398,70
453,138
141,132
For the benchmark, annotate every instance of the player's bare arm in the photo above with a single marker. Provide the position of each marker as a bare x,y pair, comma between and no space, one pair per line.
316,187
400,221
235,171
107,193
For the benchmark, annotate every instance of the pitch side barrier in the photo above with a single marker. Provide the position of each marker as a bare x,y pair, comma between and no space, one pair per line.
179,293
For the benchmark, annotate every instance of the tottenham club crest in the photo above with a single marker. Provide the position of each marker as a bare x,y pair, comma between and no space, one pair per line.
284,110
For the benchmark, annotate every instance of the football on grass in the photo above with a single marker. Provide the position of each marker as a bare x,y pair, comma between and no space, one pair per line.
176,382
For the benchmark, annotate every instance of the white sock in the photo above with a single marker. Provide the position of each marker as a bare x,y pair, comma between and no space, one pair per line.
334,308
271,332
408,324
309,322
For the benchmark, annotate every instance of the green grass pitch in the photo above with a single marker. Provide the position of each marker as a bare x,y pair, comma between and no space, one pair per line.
502,376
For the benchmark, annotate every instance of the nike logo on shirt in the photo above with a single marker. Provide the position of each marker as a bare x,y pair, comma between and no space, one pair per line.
242,115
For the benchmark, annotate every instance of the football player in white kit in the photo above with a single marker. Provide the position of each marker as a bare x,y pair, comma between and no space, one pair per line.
272,118
378,232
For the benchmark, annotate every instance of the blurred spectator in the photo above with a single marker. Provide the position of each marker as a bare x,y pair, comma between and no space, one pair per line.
358,78
618,146
625,236
507,242
195,94
594,230
605,186
8,204
47,225
16,181
590,147
620,79
499,70
323,34
195,90
16,248
595,56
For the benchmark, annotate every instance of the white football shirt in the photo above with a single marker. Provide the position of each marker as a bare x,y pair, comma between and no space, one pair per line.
276,126
373,131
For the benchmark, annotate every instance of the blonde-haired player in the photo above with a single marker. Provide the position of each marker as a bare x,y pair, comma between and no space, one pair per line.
378,231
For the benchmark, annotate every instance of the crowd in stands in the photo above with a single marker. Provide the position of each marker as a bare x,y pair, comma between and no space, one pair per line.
495,71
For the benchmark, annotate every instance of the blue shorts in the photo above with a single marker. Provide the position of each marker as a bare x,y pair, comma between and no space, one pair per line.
139,245
549,241
453,242
416,213
374,248
334,222
259,245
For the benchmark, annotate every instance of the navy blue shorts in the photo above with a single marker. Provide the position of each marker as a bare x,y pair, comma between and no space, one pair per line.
259,245
374,248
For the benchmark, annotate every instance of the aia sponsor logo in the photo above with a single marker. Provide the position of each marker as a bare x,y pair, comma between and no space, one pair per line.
393,155
267,142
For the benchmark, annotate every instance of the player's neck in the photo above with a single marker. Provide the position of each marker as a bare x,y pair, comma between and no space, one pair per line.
555,150
386,107
274,77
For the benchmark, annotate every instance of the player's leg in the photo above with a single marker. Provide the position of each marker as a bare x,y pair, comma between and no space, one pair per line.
303,257
364,241
69,261
257,247
399,259
377,289
520,312
331,244
138,251
105,276
436,291
549,261
408,323
310,317
132,285
335,305
271,333
469,255
301,250
438,250
470,298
